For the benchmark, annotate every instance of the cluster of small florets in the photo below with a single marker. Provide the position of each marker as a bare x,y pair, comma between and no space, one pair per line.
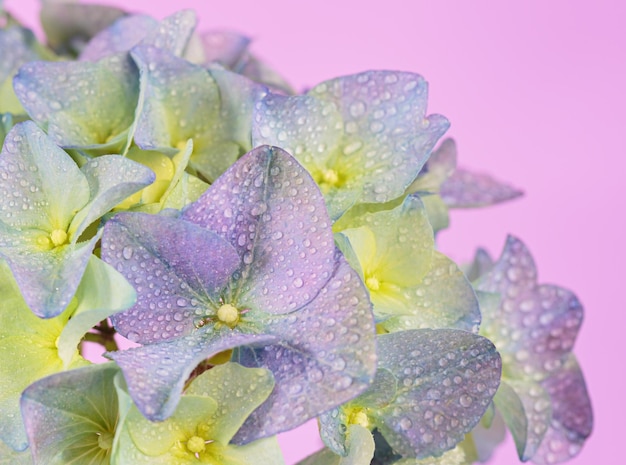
271,254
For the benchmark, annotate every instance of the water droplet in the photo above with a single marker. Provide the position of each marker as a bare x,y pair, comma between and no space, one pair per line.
465,400
405,423
298,282
127,252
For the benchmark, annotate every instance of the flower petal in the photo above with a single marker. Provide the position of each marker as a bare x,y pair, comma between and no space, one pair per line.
66,414
41,186
101,293
156,374
237,390
25,341
464,189
174,265
69,25
111,179
174,91
121,36
81,104
446,380
387,135
443,299
172,34
525,407
327,346
572,418
544,319
224,47
272,212
360,446
48,280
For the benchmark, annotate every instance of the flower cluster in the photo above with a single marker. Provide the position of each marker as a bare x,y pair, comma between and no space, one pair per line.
270,254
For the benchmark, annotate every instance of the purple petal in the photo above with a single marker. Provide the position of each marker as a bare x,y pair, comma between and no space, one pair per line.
121,36
225,47
465,189
156,374
271,211
385,124
446,380
176,268
325,357
48,280
572,417
535,326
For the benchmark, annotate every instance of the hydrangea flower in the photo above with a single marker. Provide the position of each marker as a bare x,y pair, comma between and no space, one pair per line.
363,138
171,34
71,417
46,204
70,25
176,93
210,412
442,185
411,285
31,348
542,398
251,265
431,388
82,105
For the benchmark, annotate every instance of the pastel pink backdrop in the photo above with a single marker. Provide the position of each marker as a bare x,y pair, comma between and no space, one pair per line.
535,93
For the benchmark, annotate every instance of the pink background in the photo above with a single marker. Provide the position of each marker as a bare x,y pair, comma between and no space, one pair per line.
535,93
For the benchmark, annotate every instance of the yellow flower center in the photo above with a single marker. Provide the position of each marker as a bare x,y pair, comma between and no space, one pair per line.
58,237
372,283
358,417
330,177
105,440
228,315
196,444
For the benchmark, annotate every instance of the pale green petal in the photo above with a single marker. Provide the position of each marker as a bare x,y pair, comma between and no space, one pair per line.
82,105
69,25
237,391
157,438
8,456
360,445
175,90
187,190
71,417
486,439
102,292
28,352
42,187
362,246
215,405
436,210
456,456
111,179
526,409
404,242
443,299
